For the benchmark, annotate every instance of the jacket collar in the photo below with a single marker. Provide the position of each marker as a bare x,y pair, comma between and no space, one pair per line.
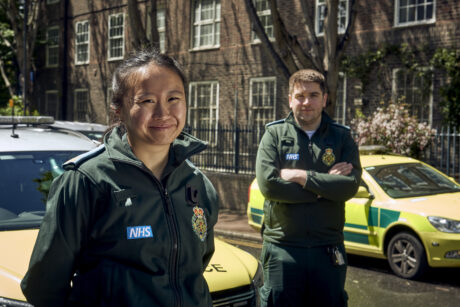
326,120
183,147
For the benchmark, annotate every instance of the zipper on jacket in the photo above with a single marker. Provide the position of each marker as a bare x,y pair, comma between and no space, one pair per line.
175,247
172,228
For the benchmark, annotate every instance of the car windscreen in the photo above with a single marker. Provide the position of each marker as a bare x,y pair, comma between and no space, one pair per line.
25,179
411,180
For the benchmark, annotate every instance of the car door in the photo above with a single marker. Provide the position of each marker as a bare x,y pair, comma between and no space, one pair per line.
361,222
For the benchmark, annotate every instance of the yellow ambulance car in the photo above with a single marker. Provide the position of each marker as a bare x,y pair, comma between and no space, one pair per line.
405,211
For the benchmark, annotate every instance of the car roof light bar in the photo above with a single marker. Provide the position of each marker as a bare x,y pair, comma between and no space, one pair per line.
32,120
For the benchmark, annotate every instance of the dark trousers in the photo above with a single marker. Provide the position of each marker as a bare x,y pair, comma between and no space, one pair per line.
300,276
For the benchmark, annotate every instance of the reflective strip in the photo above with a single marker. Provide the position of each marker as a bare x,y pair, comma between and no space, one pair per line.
356,237
356,226
256,218
257,211
387,217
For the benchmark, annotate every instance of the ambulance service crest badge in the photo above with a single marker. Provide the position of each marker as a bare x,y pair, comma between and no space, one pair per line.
199,224
328,157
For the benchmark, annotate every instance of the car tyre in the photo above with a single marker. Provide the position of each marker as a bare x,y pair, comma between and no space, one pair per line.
406,256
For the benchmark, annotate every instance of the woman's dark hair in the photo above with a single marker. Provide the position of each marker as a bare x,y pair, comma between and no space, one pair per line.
121,80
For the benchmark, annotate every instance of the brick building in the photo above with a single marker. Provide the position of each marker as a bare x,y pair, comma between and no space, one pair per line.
230,77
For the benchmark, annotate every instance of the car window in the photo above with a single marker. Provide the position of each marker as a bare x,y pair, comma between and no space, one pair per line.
410,180
25,179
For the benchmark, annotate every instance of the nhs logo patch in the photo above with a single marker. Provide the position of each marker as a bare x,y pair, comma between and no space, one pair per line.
291,156
139,232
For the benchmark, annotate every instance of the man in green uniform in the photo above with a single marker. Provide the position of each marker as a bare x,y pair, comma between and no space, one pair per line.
307,167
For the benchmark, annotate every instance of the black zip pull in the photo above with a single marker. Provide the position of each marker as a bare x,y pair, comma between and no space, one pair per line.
168,212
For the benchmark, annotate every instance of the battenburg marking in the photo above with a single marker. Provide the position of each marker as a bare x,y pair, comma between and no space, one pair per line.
139,232
291,156
199,224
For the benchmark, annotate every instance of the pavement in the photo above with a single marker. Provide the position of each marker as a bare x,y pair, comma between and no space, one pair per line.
234,225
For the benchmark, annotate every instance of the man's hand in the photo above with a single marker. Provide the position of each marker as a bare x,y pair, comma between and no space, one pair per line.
294,175
341,168
300,176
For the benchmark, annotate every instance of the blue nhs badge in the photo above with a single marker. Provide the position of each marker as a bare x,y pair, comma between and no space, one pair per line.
139,232
291,156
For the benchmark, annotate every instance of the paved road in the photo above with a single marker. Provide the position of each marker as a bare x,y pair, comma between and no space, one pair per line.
371,283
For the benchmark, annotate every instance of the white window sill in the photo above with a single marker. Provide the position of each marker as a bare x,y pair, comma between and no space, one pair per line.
415,23
115,59
198,49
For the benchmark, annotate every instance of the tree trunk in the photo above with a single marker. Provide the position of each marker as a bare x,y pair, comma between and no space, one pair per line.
154,35
34,9
139,38
330,53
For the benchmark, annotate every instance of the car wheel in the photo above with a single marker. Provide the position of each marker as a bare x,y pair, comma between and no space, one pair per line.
406,256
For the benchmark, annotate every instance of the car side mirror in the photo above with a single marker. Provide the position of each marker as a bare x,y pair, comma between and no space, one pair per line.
363,193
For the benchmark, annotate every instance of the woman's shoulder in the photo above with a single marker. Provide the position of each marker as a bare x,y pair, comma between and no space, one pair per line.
78,161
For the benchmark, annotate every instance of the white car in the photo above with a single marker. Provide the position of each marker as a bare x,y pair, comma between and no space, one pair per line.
31,155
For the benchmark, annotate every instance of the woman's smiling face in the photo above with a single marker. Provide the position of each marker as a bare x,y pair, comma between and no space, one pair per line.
154,111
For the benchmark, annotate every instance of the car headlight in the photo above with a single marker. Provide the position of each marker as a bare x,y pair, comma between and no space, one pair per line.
258,280
445,225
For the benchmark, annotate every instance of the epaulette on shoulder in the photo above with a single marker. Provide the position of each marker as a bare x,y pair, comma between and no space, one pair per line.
340,126
78,160
280,121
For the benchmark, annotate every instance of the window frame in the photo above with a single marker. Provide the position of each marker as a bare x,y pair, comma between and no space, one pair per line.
161,30
251,102
254,38
77,44
318,20
75,105
56,92
214,123
216,20
397,10
429,103
342,120
109,58
49,47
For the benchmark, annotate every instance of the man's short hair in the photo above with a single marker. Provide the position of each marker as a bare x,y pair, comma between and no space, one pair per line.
307,75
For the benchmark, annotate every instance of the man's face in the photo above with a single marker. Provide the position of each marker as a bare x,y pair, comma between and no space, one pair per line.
307,102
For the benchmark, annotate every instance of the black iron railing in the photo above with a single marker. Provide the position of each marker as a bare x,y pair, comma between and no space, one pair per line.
233,149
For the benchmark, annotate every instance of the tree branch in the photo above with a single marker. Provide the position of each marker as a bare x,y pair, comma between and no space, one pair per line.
5,78
282,38
351,22
314,50
260,31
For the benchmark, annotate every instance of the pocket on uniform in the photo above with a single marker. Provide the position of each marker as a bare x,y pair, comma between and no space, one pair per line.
124,197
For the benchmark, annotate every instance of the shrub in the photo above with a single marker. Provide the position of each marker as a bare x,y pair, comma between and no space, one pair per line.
394,128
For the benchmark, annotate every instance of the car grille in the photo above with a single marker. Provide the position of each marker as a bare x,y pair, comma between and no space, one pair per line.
4,302
241,296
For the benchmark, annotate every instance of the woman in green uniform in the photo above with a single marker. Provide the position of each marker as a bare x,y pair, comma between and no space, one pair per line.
130,223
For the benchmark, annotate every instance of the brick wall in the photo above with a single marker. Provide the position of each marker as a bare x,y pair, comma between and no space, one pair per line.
237,59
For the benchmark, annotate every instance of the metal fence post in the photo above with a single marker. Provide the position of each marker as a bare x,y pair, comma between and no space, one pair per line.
237,149
448,152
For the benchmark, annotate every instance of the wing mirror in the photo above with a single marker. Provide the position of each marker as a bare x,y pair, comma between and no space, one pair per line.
363,193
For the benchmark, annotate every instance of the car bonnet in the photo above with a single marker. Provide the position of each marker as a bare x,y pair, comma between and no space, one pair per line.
14,260
229,268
